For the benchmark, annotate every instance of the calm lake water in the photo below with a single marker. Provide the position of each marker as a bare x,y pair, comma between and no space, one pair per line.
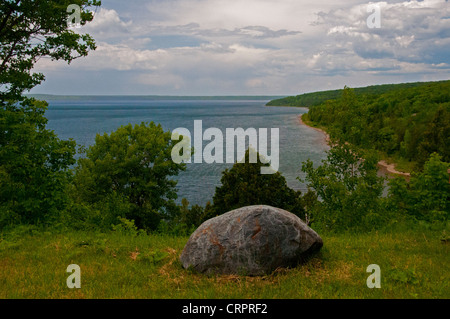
83,117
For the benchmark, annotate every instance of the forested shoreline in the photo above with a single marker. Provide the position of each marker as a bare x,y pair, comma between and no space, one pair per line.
319,97
404,122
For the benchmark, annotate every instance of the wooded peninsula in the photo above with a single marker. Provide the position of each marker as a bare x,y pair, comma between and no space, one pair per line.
405,122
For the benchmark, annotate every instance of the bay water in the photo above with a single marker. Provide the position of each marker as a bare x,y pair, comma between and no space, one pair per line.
81,118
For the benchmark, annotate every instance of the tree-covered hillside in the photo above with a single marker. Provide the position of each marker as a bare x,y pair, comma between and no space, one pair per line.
316,98
409,123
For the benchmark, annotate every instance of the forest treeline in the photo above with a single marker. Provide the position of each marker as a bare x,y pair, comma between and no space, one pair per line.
405,122
316,98
408,124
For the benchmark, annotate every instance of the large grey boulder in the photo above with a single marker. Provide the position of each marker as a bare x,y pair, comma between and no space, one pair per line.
253,240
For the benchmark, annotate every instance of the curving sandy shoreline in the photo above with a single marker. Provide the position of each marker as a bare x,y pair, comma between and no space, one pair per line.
383,165
326,135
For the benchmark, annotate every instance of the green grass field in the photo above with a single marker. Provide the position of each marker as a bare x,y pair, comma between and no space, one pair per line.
413,263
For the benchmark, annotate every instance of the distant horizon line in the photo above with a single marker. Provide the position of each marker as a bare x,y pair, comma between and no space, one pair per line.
154,97
160,95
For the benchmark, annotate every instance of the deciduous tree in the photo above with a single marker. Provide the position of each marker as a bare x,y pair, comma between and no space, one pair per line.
34,163
133,162
34,29
244,185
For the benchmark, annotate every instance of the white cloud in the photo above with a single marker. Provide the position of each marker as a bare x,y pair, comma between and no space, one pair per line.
404,41
265,46
107,24
122,57
408,30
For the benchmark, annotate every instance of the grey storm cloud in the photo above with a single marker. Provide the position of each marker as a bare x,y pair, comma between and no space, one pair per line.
410,31
255,47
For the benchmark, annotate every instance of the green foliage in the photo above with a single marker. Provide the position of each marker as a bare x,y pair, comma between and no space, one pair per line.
410,123
34,165
345,191
186,219
407,276
191,217
427,195
132,163
99,216
436,137
31,29
153,257
244,185
317,98
127,227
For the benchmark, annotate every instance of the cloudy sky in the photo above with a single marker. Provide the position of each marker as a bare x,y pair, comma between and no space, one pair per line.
255,47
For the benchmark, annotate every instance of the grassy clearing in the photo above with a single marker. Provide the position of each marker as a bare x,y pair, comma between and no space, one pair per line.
414,264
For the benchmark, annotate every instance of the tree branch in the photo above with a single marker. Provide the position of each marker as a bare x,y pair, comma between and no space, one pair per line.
5,60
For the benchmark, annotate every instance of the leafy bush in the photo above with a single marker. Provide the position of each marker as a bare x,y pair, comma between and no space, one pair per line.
127,227
34,165
244,185
95,216
426,196
345,192
132,163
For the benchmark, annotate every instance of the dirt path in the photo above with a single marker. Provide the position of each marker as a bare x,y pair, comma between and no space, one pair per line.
390,169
